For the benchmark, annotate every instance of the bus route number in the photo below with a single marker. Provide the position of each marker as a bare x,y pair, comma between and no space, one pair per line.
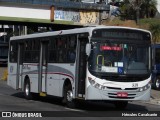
134,85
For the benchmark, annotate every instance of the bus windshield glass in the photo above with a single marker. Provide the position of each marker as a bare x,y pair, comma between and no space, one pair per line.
119,58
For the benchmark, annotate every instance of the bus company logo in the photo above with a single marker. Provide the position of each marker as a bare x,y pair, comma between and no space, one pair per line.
6,114
21,114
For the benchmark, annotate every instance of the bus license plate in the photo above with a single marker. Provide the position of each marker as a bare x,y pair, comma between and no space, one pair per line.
122,94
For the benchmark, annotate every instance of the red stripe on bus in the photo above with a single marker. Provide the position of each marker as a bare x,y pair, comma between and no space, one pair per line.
61,74
53,73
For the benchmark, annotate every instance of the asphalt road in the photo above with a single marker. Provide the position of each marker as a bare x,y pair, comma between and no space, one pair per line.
12,100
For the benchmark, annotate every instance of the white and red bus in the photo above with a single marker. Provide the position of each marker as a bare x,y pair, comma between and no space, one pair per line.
99,63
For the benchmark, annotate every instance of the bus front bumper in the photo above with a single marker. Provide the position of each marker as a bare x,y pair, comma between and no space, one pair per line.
93,93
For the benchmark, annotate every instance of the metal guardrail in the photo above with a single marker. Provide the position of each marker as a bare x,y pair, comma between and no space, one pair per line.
63,4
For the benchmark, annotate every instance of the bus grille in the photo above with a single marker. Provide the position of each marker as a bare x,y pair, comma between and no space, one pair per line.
114,88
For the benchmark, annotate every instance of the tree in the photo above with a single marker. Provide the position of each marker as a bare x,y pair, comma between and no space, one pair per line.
145,8
127,12
155,29
136,4
148,8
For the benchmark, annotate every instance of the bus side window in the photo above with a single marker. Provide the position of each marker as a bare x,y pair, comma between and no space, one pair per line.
53,49
71,56
62,49
31,50
27,55
35,50
71,51
13,51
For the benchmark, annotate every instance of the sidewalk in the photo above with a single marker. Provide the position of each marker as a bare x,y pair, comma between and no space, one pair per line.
155,97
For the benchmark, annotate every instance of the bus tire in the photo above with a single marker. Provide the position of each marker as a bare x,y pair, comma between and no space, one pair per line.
27,92
156,83
121,104
68,97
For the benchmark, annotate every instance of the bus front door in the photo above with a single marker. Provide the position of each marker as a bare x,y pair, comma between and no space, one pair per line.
43,67
81,66
19,66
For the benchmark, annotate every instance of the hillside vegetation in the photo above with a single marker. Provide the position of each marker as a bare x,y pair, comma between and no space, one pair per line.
151,24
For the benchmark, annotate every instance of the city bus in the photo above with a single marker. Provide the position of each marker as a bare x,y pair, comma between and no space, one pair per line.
94,63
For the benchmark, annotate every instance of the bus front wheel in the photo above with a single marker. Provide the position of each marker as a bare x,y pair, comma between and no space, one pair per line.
121,104
68,97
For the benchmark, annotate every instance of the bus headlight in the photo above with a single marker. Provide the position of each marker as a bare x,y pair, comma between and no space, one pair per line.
96,85
144,88
91,81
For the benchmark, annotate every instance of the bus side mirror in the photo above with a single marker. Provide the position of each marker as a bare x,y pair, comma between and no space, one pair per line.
88,49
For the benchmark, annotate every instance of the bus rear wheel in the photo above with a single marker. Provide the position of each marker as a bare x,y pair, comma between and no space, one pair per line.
121,104
27,92
68,97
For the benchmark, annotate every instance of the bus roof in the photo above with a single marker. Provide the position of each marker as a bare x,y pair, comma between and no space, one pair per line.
73,31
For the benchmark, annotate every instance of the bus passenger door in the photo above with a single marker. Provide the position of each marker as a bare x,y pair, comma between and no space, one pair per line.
81,65
43,66
19,66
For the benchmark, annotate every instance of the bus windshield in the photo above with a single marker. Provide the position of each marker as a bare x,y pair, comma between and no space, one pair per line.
115,58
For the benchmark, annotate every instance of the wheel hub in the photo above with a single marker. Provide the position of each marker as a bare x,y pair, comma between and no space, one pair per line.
27,90
157,83
69,96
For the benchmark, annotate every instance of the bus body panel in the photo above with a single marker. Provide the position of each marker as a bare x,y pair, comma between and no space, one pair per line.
56,75
12,76
53,87
33,82
53,80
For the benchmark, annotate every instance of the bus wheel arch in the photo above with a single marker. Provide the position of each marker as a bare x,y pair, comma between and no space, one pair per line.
68,94
66,83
